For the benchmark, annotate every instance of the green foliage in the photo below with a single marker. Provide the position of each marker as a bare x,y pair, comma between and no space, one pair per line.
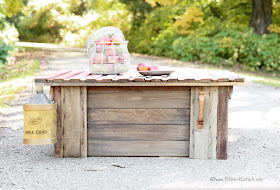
230,47
5,51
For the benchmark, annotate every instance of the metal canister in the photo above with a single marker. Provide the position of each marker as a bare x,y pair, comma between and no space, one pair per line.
39,120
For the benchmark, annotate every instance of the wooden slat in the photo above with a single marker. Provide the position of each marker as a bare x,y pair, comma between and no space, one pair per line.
136,75
58,147
77,77
50,76
83,119
138,148
71,121
122,78
138,116
92,82
107,78
139,132
138,97
222,134
89,79
61,78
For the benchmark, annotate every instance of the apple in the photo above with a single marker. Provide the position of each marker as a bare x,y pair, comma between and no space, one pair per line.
113,59
116,39
110,51
123,59
99,48
142,67
154,68
100,58
104,41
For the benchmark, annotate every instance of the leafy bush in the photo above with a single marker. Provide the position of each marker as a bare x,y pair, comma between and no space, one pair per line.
4,53
231,47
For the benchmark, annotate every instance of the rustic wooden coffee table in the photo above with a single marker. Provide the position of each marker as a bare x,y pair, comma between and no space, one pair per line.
184,114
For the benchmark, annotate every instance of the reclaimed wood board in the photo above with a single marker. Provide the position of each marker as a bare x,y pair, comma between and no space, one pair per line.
138,148
139,132
193,77
138,116
132,97
203,142
73,121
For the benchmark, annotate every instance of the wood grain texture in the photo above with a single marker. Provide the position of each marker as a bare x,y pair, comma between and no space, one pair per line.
83,115
138,116
138,148
58,147
63,77
139,97
222,136
203,141
72,119
139,132
170,82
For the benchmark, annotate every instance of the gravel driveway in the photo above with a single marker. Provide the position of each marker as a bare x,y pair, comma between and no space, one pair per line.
253,152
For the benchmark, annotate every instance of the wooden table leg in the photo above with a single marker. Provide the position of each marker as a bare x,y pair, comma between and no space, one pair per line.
203,141
56,96
222,137
74,121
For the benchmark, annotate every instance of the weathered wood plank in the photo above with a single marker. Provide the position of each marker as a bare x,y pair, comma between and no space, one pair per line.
173,82
138,148
88,79
76,78
123,78
107,78
222,136
83,119
139,97
58,147
61,78
139,132
203,142
138,116
71,121
50,76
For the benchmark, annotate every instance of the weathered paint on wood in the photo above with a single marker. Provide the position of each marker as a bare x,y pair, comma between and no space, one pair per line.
222,133
138,116
133,97
138,148
203,141
139,132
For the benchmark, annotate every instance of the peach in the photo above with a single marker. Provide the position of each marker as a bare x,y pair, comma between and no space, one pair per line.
154,68
142,67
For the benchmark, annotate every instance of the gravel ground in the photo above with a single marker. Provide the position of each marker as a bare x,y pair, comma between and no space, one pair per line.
253,161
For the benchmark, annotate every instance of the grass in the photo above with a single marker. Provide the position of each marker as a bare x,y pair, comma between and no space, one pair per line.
12,80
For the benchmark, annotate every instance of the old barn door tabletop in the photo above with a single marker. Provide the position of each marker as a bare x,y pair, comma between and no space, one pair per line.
183,114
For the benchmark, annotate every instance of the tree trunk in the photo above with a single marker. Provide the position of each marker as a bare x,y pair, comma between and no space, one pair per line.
261,16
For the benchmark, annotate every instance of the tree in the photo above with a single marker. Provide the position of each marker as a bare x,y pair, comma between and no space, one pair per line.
261,16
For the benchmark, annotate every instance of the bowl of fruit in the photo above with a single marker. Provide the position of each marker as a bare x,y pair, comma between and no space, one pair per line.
151,70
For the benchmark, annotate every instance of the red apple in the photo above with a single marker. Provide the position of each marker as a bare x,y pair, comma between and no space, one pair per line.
143,67
116,39
100,58
154,68
123,59
110,51
103,41
113,59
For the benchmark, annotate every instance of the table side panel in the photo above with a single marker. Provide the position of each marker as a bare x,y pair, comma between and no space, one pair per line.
157,124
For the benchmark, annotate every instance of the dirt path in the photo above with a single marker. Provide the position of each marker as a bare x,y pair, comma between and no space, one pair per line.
254,150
